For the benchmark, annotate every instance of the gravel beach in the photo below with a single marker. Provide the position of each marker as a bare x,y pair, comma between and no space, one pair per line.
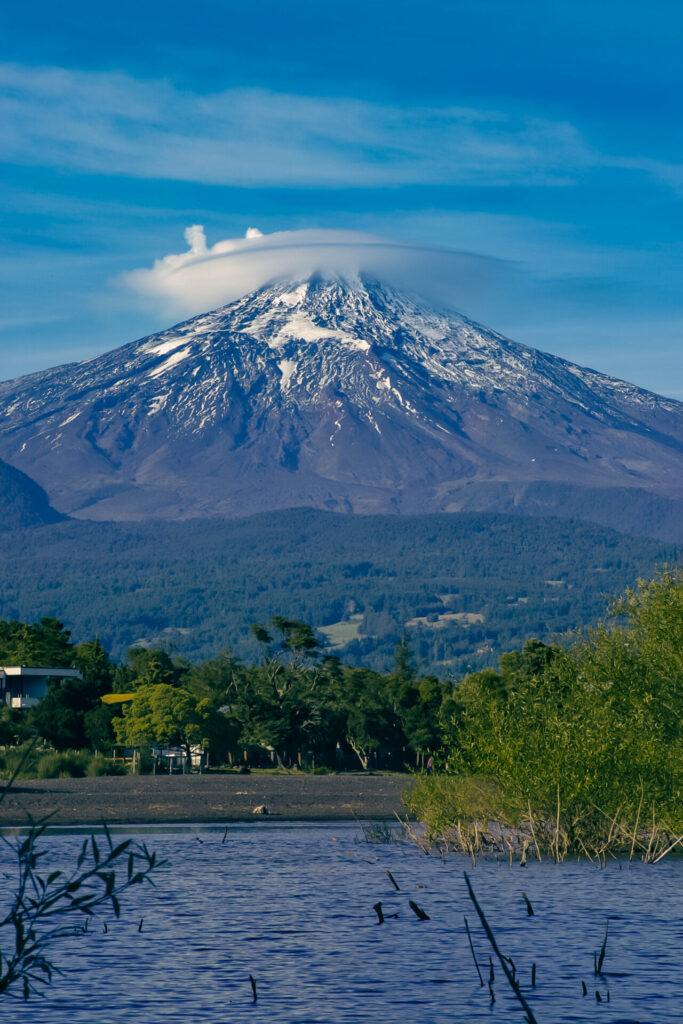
203,798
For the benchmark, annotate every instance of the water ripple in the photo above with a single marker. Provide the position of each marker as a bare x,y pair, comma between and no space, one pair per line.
293,905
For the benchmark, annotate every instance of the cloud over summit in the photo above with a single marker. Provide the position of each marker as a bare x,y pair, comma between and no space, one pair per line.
205,277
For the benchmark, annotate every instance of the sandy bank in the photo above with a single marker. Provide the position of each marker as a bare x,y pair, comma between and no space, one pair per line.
178,798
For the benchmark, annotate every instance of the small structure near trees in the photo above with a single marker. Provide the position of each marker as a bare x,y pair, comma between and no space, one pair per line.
22,686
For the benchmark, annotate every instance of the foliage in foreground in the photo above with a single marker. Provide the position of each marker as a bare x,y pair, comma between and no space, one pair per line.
581,741
47,902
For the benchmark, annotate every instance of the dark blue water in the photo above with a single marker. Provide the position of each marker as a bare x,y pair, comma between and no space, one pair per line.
292,905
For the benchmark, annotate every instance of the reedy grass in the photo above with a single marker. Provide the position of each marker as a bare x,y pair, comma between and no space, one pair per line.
475,817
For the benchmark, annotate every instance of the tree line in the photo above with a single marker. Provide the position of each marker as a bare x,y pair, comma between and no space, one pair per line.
297,706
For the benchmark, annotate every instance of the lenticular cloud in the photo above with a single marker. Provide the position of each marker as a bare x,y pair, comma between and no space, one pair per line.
205,277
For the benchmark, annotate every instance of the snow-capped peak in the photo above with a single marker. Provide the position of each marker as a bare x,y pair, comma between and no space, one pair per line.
331,392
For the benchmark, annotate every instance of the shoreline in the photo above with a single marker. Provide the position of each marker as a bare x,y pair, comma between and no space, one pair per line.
188,799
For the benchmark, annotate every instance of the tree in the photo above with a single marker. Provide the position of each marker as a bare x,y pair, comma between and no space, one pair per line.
404,667
147,667
297,641
46,643
162,714
416,703
95,665
71,715
371,722
60,716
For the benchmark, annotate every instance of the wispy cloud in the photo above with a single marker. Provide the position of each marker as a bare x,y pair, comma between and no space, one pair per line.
108,123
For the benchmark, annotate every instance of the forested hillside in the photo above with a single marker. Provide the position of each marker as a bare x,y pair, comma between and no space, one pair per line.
463,587
22,501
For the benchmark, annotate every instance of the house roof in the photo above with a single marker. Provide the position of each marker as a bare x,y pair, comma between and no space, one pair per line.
24,671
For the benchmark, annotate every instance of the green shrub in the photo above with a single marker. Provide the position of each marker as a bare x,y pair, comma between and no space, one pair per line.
71,764
12,759
98,765
584,736
440,801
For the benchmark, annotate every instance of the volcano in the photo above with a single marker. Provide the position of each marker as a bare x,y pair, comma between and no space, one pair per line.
345,395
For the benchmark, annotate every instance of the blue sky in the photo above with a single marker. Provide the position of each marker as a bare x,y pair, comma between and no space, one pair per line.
545,137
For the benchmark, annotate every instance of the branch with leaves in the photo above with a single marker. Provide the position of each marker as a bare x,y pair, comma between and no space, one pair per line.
45,905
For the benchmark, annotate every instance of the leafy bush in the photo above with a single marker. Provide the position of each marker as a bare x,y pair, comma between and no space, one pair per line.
443,800
68,764
595,730
13,757
98,765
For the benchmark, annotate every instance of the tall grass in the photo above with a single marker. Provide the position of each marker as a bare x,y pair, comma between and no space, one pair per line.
474,817
53,764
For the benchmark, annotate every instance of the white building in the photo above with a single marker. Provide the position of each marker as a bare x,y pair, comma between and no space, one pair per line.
22,687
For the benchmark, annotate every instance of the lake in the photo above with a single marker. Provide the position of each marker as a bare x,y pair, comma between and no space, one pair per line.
292,905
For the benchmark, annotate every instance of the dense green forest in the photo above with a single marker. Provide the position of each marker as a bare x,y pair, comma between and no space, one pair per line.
464,588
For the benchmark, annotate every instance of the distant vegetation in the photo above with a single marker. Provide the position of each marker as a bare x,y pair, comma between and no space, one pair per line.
464,588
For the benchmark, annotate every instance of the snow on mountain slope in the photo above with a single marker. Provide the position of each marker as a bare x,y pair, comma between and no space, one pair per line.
332,394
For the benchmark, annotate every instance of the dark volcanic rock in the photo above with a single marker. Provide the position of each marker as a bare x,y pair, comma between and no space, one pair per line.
345,396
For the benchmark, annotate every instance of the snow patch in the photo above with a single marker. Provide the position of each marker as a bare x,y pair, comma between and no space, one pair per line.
287,369
300,327
176,358
157,403
70,419
167,346
294,298
337,424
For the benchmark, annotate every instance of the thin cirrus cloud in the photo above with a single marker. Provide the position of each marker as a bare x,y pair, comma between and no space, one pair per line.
113,123
204,277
